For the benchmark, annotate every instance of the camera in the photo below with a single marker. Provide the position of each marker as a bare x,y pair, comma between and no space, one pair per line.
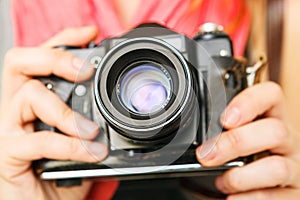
156,95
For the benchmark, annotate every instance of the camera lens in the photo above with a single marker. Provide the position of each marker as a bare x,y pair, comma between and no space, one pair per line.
145,88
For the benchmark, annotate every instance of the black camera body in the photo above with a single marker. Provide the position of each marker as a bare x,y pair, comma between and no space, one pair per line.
156,95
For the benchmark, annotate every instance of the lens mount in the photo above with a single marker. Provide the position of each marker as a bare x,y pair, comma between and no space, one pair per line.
143,87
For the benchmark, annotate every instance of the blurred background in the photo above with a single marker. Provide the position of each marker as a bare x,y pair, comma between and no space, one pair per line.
6,34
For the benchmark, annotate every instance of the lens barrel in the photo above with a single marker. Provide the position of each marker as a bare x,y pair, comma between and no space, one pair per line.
144,88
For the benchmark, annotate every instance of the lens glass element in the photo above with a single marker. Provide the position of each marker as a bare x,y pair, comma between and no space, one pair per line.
145,88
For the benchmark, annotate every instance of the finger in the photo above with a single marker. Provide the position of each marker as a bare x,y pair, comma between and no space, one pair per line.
44,62
261,135
265,98
45,105
40,62
73,37
263,194
56,146
267,172
28,62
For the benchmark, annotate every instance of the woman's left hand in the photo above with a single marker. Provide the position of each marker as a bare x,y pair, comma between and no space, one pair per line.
256,121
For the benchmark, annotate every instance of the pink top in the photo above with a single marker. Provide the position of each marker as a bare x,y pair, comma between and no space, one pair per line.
37,20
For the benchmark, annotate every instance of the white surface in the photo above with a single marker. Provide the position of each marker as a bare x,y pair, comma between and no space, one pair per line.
6,34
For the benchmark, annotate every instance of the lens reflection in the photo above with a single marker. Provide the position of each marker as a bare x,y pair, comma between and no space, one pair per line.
145,89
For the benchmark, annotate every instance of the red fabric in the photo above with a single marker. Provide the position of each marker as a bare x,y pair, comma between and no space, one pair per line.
37,20
103,190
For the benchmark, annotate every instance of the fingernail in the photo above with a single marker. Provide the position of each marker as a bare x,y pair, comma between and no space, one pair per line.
78,63
98,151
231,116
207,151
86,128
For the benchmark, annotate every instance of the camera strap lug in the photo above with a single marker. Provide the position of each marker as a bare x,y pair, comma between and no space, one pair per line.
253,72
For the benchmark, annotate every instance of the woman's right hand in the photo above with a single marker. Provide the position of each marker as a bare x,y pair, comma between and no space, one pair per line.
256,121
24,100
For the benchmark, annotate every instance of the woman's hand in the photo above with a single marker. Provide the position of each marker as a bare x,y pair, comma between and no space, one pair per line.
256,122
25,99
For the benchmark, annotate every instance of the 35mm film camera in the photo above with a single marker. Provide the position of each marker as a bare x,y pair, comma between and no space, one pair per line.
156,95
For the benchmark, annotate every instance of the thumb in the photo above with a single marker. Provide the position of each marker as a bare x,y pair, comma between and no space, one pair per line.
73,37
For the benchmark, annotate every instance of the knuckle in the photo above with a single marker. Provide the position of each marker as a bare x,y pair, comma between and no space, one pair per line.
38,140
60,58
233,139
11,53
73,146
280,169
278,129
33,84
10,56
233,180
66,113
31,87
